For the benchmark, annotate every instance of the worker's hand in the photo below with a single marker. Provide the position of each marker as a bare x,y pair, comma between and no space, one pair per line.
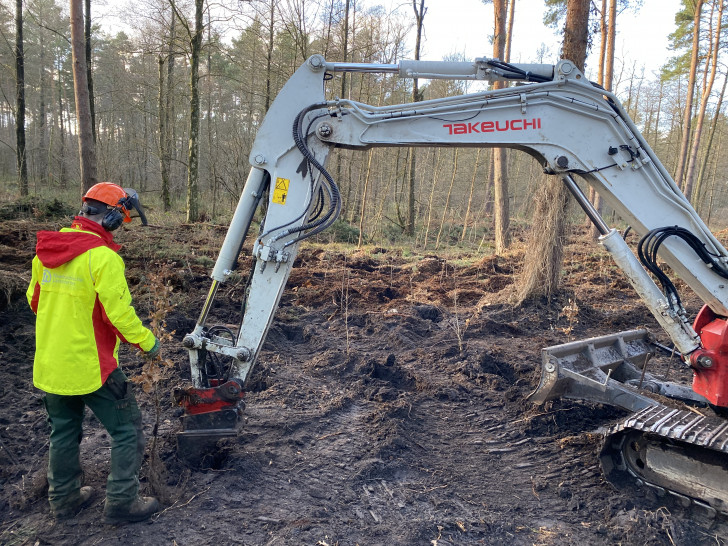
153,353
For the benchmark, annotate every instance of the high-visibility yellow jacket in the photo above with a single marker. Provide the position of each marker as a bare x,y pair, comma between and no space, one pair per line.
80,296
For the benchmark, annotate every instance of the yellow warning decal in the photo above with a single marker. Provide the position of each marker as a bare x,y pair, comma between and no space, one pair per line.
281,191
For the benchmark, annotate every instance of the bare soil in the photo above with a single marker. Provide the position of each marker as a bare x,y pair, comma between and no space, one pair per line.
389,407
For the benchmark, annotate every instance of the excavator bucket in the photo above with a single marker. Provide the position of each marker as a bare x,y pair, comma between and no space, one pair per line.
608,370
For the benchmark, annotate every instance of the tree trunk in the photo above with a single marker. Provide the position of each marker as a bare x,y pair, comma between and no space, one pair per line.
656,137
718,153
20,101
449,196
416,97
345,52
709,145
86,145
169,117
163,163
89,73
470,195
212,181
603,18
269,56
544,251
603,31
63,178
607,82
435,175
500,178
44,149
704,98
193,208
509,33
345,48
576,32
688,113
364,198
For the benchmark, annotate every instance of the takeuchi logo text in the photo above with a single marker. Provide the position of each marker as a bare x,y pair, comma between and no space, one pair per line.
492,126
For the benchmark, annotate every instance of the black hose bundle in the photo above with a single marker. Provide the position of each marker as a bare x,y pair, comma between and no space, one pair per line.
650,244
512,72
328,190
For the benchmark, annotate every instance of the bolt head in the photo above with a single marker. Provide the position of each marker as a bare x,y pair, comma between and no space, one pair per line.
325,130
316,62
704,361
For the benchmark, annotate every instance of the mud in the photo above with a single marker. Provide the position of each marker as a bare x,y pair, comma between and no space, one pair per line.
389,407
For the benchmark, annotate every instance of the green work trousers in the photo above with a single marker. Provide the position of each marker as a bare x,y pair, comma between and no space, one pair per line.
116,408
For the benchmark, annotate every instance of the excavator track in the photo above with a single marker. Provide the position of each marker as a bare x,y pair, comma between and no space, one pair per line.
678,453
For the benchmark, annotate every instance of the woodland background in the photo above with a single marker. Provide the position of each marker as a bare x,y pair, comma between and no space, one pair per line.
177,97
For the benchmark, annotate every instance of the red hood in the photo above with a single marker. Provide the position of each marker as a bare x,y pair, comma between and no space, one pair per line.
55,248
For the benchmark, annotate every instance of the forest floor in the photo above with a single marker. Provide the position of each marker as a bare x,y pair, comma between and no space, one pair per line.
389,407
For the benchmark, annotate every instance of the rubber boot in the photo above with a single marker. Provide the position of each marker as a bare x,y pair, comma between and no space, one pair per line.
139,509
74,505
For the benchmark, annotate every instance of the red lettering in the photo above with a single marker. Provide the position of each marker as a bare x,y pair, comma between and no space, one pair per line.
490,126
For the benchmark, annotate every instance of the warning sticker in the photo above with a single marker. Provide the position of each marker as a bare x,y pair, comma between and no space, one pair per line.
281,191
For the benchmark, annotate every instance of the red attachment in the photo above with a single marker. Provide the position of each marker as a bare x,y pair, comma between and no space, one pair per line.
710,364
196,401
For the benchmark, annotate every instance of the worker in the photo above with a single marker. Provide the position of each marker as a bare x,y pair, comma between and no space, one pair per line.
81,298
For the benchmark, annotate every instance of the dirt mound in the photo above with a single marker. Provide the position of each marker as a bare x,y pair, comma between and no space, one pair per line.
389,407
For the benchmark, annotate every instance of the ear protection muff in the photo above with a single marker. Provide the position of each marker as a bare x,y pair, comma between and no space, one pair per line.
111,220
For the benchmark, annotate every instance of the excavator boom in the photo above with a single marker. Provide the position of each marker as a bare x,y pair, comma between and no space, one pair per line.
572,127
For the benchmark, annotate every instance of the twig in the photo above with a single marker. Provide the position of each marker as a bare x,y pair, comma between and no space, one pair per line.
540,415
329,435
181,505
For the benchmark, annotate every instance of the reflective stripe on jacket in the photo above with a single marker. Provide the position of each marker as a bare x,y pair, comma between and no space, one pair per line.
80,296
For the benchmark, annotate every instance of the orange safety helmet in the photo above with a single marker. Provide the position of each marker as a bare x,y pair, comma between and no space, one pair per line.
112,195
120,201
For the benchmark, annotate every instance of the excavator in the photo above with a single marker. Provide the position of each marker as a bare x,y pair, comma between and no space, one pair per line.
675,440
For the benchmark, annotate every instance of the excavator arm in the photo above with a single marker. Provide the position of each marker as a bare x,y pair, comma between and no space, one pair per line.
571,126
